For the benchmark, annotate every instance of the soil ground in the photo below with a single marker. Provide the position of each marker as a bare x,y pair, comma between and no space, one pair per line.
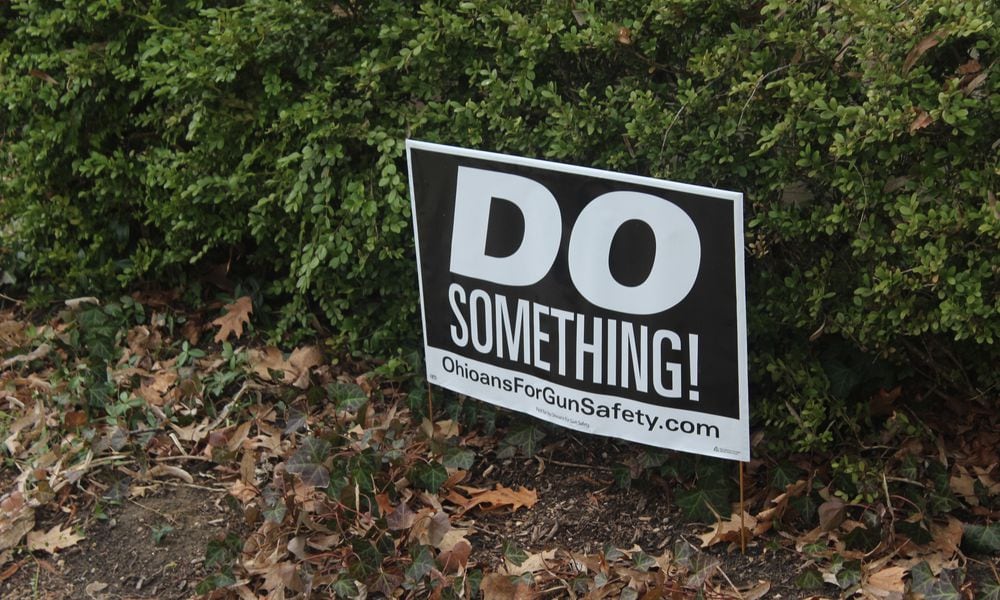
121,557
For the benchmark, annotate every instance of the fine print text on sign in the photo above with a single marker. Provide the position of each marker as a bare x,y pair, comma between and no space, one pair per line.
608,303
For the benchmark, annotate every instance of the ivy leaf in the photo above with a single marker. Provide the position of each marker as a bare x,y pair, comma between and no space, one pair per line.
525,438
347,396
308,462
703,567
651,459
458,458
942,590
643,561
784,475
423,563
990,591
513,553
982,538
810,579
703,504
921,578
849,575
221,553
345,587
214,582
628,594
430,476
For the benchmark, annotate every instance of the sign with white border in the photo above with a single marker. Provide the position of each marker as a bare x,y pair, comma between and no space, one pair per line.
605,302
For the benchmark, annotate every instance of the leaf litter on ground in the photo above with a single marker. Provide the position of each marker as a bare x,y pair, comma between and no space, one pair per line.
346,490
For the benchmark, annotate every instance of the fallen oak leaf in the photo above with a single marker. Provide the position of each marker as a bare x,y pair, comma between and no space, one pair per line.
495,499
53,540
237,315
729,531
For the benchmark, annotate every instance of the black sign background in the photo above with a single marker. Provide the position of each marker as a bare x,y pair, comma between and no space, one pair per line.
709,310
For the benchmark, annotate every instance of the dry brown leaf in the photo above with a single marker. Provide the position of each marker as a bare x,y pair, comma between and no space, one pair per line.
237,315
495,499
401,518
40,352
53,540
923,46
294,370
729,531
6,557
975,83
242,492
886,583
948,537
972,66
964,485
831,514
502,587
453,561
757,591
16,519
923,120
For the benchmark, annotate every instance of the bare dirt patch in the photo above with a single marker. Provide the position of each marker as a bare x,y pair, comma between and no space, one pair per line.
581,509
147,547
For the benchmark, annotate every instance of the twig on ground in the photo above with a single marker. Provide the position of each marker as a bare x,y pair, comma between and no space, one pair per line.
153,510
578,465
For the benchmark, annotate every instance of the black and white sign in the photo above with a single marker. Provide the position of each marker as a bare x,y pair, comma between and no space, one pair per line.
608,303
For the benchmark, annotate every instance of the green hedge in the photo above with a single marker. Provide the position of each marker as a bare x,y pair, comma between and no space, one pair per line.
148,141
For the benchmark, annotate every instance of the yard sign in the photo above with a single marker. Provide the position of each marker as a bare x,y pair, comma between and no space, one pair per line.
608,303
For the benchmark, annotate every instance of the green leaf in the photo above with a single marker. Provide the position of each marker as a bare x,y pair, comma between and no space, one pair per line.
458,458
849,575
525,438
921,578
473,580
347,396
275,512
513,553
784,475
423,563
989,591
308,462
810,579
643,561
429,476
650,459
368,559
214,582
222,553
623,476
982,538
703,504
942,590
345,587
